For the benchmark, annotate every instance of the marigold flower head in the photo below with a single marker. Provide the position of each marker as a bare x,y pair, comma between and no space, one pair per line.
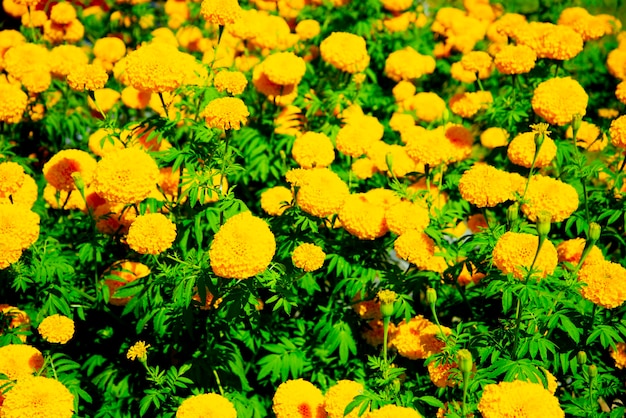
486,186
617,132
494,137
38,397
468,104
226,113
206,405
308,257
87,77
243,247
24,58
151,233
407,216
363,218
284,68
428,106
550,195
408,64
466,276
109,49
588,26
515,59
440,374
345,51
64,58
571,250
61,169
522,148
321,192
605,283
17,8
339,396
619,355
19,226
514,252
418,338
518,398
56,329
17,319
61,199
275,200
559,99
13,103
307,29
477,62
221,12
364,168
298,398
234,82
403,90
18,361
415,247
12,178
313,149
139,351
121,273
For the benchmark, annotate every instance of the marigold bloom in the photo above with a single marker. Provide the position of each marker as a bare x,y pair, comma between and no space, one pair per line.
394,411
298,397
139,350
275,200
126,176
284,68
16,319
440,374
588,26
308,257
571,250
559,99
466,277
110,49
13,103
12,178
515,59
135,99
418,338
60,170
19,226
363,218
477,62
313,149
151,233
518,398
242,248
307,29
406,216
408,64
428,106
321,192
345,51
415,247
546,194
87,77
234,82
226,113
468,104
56,329
364,168
339,396
18,361
514,252
62,13
494,137
356,137
403,91
121,273
605,283
220,12
206,405
64,58
617,131
61,199
38,396
619,355
522,150
486,186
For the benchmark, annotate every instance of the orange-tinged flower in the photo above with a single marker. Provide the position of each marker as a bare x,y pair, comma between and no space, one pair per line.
494,137
121,273
428,106
56,329
64,58
617,132
415,247
517,399
515,59
339,396
363,218
394,411
440,374
605,283
364,168
62,13
307,29
226,113
20,360
418,338
17,319
38,396
151,233
478,62
345,51
407,216
298,398
403,90
308,257
570,251
619,355
559,99
109,49
12,178
486,186
61,199
19,226
206,405
65,165
514,253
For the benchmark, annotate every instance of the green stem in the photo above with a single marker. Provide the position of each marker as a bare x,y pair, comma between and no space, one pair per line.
385,330
219,383
466,379
480,85
163,103
222,169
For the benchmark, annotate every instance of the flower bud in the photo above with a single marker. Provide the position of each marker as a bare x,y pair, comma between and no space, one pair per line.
387,298
543,223
512,213
592,370
576,122
594,232
464,360
431,296
581,357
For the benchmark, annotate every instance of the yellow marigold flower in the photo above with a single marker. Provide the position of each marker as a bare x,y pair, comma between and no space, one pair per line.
434,147
364,168
60,170
418,338
19,226
307,29
459,73
220,12
234,82
38,396
345,51
313,149
546,194
373,332
428,106
87,77
242,248
401,164
363,218
284,68
518,398
121,273
356,137
105,100
135,99
139,351
617,132
494,137
64,58
280,95
339,396
407,216
559,99
112,218
16,319
619,355
570,251
226,113
18,361
399,121
415,247
158,67
440,375
103,142
383,197
16,8
62,13
466,277
12,178
13,103
366,309
477,62
522,150
403,90
605,283
109,49
397,5
56,329
9,254
206,405
408,64
151,233
514,252
486,186
468,104
321,192
61,199
125,176
276,200
515,59
588,26
298,397
308,257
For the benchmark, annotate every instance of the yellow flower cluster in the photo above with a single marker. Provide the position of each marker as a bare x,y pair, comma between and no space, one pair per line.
548,40
415,247
358,135
221,12
406,216
345,51
298,398
522,150
307,29
17,319
308,257
321,193
18,361
605,283
444,144
408,64
313,149
108,51
38,397
226,113
559,99
19,229
13,103
468,104
440,375
546,194
275,200
138,350
428,106
590,27
121,273
486,186
518,399
339,396
56,329
418,338
234,82
362,217
12,178
206,405
394,411
570,251
243,247
284,68
64,58
87,77
494,137
514,253
515,59
61,169
461,30
588,136
619,355
617,131
151,233
477,62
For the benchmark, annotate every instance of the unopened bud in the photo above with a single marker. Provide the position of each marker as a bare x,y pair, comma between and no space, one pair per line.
78,180
464,360
592,370
581,357
512,213
594,232
387,298
544,219
576,122
431,296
